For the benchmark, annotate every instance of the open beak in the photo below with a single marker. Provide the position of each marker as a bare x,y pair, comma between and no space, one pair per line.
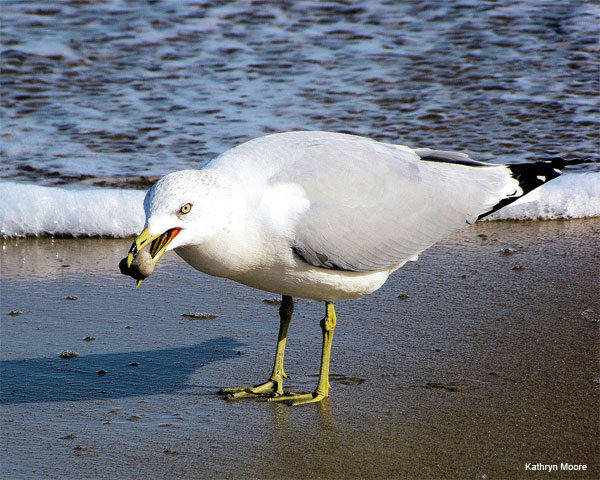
158,245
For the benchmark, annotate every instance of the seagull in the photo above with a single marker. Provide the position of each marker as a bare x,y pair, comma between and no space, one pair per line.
319,215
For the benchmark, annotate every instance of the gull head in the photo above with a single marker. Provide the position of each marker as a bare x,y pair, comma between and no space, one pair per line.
182,208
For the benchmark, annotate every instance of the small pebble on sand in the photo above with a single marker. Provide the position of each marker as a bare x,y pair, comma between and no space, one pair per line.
68,354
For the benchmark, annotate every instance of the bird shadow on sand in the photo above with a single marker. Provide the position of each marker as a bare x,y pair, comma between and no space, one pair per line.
111,375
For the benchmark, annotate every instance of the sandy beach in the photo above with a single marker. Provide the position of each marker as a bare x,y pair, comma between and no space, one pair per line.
478,361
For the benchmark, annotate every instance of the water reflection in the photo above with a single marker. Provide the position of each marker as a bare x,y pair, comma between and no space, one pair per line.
24,259
284,418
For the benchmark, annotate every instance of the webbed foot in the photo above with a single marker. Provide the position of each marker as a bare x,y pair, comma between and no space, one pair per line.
293,399
271,388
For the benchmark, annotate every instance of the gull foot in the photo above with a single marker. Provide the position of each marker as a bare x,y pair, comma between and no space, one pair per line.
293,399
271,388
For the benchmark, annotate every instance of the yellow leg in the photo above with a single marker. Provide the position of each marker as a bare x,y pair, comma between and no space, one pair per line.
273,387
322,391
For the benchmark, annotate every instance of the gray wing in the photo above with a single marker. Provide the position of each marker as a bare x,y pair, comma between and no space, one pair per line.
373,206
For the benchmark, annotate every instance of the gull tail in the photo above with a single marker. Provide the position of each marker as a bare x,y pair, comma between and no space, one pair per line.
531,176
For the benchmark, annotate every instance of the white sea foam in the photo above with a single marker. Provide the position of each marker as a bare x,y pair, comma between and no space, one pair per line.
28,209
33,210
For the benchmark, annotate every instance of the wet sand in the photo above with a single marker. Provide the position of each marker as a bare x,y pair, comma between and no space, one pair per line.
474,361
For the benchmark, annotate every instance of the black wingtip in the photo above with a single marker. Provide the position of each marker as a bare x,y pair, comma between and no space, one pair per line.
533,175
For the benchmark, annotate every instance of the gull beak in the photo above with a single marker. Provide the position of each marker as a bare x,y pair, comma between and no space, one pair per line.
158,246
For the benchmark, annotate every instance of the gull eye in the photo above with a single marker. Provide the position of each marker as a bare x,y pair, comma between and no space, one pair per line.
185,208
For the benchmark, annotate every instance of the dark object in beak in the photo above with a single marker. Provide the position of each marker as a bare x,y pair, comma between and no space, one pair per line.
123,266
140,264
141,267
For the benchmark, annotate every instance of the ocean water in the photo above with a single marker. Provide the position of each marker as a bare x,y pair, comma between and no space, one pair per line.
99,99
